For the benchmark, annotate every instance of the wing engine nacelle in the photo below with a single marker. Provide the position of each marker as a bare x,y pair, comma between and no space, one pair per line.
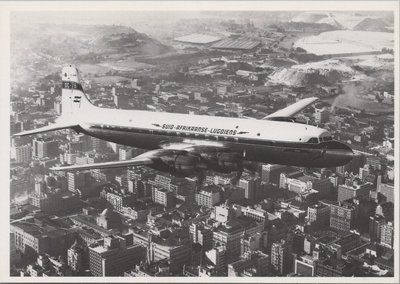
179,165
223,162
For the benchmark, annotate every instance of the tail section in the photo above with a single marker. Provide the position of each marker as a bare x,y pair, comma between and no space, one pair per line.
73,98
74,103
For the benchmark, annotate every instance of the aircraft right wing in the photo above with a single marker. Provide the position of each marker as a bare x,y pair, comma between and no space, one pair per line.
293,109
147,158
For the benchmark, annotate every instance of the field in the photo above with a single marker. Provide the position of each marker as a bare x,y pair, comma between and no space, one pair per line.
129,64
345,42
107,80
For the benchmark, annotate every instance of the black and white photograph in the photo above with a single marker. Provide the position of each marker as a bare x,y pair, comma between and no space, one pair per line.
163,141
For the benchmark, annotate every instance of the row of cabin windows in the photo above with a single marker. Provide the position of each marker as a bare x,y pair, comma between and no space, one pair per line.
313,140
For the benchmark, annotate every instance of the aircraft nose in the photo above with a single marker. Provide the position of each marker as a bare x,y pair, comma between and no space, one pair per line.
348,154
339,153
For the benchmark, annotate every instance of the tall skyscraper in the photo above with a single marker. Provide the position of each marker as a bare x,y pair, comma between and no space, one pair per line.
125,153
281,257
77,181
387,235
249,185
45,148
375,225
318,214
76,257
387,190
343,216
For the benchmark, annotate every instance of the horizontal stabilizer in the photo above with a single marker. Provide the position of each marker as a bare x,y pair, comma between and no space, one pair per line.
293,109
51,127
106,165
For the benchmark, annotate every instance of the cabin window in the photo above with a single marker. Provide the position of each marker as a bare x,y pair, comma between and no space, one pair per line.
258,134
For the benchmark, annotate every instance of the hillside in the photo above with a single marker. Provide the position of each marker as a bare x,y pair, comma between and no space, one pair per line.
45,48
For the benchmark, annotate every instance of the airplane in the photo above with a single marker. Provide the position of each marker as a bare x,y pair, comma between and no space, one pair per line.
186,145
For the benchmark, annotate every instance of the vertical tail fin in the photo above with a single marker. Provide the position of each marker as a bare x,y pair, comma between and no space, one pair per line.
73,98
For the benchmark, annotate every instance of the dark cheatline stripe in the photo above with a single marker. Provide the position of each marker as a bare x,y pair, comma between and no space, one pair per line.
72,85
234,139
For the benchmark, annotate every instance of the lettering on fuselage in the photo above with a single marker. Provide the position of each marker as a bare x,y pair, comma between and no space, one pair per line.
200,129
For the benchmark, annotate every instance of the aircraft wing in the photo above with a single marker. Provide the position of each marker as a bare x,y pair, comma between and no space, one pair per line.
51,127
147,158
293,109
105,165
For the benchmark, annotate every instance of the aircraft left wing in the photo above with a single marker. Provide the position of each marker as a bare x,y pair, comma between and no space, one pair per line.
51,127
293,109
147,158
105,165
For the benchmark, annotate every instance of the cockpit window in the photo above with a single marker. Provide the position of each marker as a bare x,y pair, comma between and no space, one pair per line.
327,138
313,140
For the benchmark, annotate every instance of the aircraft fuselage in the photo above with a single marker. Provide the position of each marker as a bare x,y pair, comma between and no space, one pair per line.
251,139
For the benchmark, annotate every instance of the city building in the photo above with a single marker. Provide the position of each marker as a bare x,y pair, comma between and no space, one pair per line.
42,148
173,246
31,235
108,219
281,257
120,100
76,257
375,226
23,154
333,267
115,256
255,263
217,257
270,173
163,196
77,180
354,188
119,199
318,214
321,115
249,185
230,233
125,153
56,201
387,190
202,235
343,216
251,243
387,234
305,266
208,196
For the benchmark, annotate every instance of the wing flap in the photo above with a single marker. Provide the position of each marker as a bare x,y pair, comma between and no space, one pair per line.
293,109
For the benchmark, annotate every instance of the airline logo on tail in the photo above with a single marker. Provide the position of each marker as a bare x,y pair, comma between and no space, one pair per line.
77,99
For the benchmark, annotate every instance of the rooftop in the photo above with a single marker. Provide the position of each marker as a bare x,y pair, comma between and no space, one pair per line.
238,44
